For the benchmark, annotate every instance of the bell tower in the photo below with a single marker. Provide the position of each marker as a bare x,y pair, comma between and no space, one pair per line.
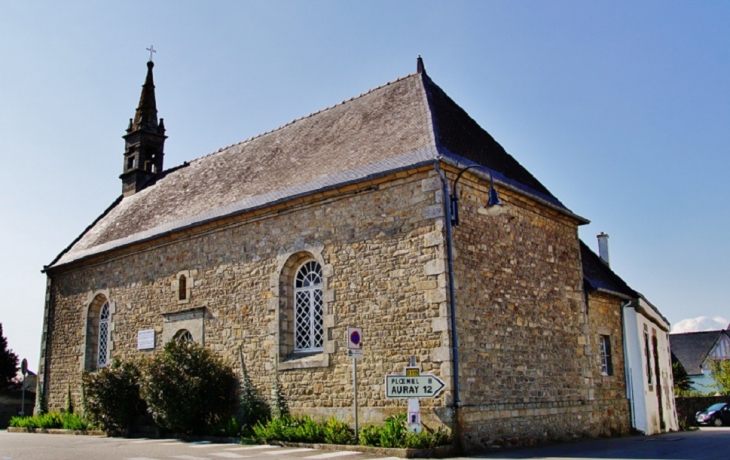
144,143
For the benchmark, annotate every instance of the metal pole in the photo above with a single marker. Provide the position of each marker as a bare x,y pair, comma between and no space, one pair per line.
22,406
354,381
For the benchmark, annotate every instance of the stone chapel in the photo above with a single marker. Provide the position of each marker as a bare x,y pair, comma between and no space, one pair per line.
350,216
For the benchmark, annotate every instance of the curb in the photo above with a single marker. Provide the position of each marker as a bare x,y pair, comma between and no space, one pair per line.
14,429
438,452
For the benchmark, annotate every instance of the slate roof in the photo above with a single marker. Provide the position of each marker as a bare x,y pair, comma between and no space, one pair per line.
691,348
599,276
404,124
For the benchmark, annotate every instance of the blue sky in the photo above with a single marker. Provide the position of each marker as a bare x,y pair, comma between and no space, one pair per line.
620,108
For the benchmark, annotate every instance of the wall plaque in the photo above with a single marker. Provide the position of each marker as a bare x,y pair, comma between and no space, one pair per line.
146,339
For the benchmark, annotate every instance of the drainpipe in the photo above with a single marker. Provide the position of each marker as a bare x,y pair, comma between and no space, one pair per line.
452,300
628,375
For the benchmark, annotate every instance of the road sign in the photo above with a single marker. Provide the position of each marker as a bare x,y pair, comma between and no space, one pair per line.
421,386
354,342
24,367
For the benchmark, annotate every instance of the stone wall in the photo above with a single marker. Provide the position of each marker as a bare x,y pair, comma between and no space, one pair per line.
381,248
604,319
526,368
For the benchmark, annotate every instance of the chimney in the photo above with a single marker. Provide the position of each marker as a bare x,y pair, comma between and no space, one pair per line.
603,248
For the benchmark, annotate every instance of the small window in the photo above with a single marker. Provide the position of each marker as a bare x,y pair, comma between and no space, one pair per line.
130,163
183,335
182,288
606,364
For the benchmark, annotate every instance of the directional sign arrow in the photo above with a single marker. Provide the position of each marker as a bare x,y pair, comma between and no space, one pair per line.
422,386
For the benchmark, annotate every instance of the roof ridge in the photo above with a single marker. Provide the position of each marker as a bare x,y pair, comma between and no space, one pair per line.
312,114
698,332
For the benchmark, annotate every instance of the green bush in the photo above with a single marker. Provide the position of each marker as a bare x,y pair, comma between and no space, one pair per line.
290,429
74,422
338,432
51,420
369,435
394,431
188,389
112,396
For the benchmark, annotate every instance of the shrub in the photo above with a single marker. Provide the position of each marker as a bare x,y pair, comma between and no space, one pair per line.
112,396
74,422
51,420
188,389
290,429
338,432
369,435
394,431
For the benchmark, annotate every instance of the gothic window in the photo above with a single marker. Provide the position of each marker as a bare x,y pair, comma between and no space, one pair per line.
182,288
606,364
182,285
183,335
98,344
308,313
103,344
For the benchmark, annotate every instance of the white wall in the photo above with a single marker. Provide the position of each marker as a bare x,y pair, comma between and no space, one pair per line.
641,316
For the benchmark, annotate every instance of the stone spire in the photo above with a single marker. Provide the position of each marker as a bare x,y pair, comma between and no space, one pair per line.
146,115
144,141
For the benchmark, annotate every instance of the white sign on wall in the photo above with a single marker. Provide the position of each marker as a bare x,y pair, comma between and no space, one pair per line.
146,339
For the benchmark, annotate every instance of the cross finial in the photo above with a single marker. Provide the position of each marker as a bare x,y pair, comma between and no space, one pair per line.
151,49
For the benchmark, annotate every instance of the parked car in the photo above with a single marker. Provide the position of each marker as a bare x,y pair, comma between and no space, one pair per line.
717,415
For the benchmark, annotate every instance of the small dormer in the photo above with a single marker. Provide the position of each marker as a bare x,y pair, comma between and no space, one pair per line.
144,142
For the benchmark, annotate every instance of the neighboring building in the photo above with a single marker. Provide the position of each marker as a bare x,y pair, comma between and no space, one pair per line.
632,340
696,350
276,245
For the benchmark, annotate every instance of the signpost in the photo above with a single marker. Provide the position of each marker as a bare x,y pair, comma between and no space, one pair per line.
413,385
24,370
354,351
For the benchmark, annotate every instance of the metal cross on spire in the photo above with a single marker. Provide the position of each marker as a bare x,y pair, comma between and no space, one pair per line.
151,49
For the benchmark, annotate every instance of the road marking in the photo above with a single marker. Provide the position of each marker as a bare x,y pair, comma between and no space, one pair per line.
202,444
146,440
229,455
265,446
140,458
335,454
188,457
285,452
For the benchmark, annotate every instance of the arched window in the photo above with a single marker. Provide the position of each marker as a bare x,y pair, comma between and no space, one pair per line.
98,343
308,314
182,288
183,335
103,344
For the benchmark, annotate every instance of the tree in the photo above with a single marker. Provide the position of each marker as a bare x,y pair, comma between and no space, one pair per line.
682,382
721,371
8,362
188,389
111,396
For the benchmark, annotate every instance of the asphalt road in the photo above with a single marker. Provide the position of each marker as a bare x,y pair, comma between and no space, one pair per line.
707,443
